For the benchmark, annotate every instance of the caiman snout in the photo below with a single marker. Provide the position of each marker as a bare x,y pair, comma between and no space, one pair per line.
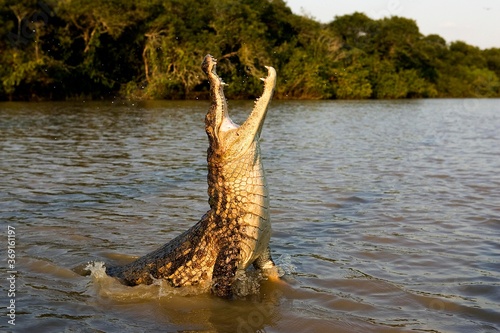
208,64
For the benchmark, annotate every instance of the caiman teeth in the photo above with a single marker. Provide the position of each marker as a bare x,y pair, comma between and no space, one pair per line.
262,78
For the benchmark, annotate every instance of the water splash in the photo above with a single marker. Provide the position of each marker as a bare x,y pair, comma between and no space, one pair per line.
285,266
247,283
109,287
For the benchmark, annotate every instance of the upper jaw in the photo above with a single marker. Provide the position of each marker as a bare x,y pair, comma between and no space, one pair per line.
208,64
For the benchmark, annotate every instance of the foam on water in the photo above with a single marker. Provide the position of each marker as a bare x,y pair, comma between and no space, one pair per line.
109,287
284,265
247,283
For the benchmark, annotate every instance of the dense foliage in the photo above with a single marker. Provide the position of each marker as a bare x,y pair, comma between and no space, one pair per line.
60,49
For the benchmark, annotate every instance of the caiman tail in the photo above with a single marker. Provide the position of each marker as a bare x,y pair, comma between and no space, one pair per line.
235,232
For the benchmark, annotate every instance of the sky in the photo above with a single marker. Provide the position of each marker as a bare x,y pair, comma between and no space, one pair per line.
476,22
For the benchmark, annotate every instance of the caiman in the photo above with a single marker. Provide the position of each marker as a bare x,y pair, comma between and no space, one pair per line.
235,232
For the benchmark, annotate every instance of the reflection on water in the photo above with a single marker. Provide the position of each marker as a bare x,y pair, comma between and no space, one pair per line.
385,215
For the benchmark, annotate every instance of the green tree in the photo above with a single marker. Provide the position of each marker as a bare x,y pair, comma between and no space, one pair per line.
25,65
492,57
353,82
357,31
153,49
89,23
307,62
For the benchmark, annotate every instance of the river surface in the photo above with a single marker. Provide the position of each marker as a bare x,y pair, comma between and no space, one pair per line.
385,214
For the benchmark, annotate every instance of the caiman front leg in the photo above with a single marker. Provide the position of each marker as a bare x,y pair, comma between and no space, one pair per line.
266,265
224,272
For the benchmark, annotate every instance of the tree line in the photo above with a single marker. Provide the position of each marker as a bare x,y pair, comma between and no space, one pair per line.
152,49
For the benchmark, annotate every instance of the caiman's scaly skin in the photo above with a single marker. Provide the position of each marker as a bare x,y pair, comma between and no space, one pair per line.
235,232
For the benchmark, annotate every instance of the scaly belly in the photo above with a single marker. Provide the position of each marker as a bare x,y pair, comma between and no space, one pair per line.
255,231
238,193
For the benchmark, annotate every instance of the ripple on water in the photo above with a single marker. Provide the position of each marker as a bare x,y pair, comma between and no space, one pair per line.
386,212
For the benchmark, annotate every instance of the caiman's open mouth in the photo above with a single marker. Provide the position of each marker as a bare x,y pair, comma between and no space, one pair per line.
219,125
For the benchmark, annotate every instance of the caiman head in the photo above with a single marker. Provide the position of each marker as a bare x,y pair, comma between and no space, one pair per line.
227,139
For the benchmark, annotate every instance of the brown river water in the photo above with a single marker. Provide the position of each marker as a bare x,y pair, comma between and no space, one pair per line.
385,214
